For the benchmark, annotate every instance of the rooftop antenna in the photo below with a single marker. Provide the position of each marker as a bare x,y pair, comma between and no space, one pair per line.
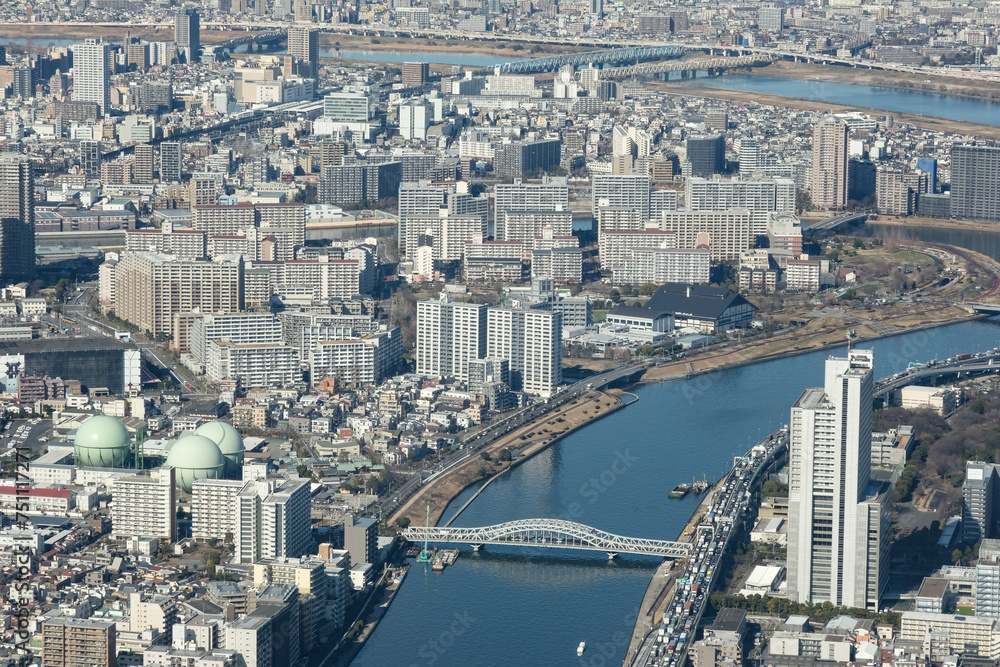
425,554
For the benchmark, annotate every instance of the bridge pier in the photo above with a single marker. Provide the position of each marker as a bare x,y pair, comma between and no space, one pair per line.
611,555
477,547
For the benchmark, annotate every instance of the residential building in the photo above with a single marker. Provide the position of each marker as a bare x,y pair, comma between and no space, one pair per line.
253,364
90,158
415,74
303,45
91,78
531,340
956,634
145,505
759,195
614,245
17,218
980,491
664,265
837,518
239,328
896,191
975,189
70,642
250,636
829,163
171,162
517,158
707,154
727,232
361,360
564,265
182,243
187,34
802,275
272,521
213,508
152,288
622,191
361,539
449,336
526,225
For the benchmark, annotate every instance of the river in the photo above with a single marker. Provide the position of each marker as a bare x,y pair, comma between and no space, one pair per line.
508,605
873,97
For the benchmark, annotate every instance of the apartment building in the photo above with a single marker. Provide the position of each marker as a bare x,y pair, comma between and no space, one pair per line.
549,195
758,196
614,245
802,275
622,191
532,341
254,364
182,243
449,336
664,265
272,521
239,328
70,642
525,224
145,505
727,232
362,360
151,288
213,508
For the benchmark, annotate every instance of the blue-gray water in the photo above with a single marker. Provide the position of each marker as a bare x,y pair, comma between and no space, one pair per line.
527,606
874,97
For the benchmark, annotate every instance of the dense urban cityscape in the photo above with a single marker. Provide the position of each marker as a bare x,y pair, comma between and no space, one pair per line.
496,332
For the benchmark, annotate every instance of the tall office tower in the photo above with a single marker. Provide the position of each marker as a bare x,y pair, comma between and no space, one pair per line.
532,341
91,82
68,641
975,187
90,158
449,336
597,8
187,33
303,44
771,18
272,521
170,162
837,519
829,163
17,218
143,164
707,154
415,74
621,191
150,289
748,151
145,505
361,540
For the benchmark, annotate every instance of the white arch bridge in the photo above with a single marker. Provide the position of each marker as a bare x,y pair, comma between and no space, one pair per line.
549,534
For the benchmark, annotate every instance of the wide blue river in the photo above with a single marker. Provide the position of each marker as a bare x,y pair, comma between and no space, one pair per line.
873,97
525,606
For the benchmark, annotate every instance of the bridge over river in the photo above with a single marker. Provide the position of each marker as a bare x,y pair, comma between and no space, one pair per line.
549,534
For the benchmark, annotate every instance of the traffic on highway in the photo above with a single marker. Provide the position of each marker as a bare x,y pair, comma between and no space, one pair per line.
667,645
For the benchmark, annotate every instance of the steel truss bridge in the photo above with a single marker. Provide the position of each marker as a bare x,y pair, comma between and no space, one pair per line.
597,58
549,534
699,64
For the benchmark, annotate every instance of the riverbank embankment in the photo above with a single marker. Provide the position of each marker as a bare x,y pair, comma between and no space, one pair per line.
523,443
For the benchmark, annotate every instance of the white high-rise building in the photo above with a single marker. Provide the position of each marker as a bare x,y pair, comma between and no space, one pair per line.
213,508
449,336
91,82
145,505
748,151
837,519
272,521
414,119
760,196
622,191
532,341
552,194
